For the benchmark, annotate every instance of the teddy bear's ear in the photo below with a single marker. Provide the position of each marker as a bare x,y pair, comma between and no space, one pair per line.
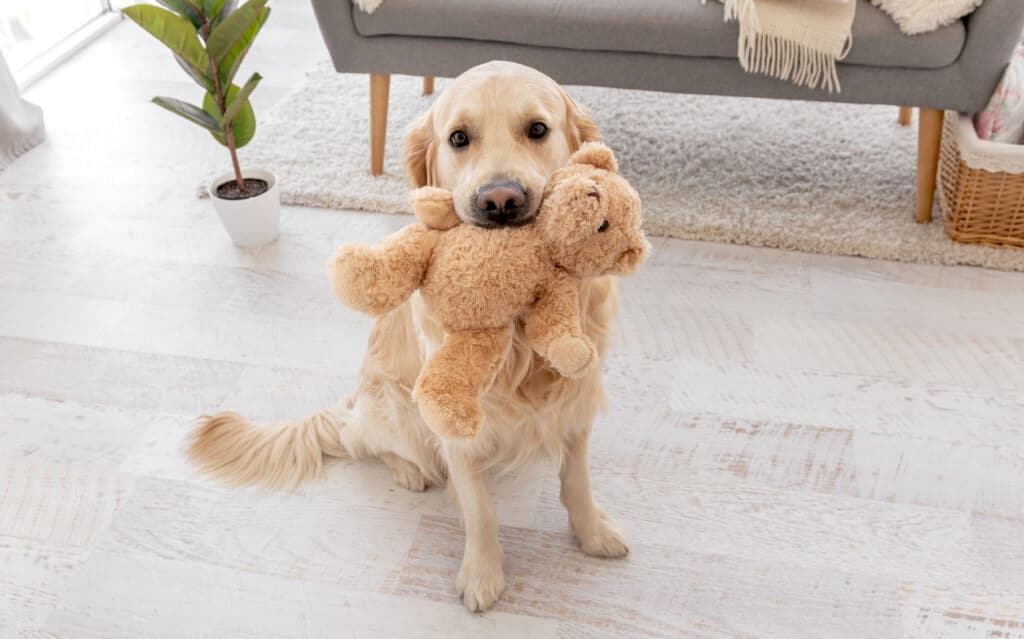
596,154
434,207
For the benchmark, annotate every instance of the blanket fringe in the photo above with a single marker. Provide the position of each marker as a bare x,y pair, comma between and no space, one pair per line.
787,60
743,11
778,57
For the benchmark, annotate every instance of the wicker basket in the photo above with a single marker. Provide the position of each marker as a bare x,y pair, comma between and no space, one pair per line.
981,186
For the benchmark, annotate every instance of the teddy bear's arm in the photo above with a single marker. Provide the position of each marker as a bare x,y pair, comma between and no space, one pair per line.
434,207
553,327
376,279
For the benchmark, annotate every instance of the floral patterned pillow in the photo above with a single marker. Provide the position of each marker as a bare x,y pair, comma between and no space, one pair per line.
1003,118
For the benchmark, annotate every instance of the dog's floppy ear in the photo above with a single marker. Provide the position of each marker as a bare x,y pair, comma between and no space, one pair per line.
597,155
581,128
419,151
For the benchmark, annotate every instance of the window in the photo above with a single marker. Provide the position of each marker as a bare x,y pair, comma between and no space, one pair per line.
30,29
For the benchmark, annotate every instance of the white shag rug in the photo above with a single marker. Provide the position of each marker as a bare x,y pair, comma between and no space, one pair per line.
813,177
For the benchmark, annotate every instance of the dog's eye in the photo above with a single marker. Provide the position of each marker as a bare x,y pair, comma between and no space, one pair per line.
458,139
603,227
537,130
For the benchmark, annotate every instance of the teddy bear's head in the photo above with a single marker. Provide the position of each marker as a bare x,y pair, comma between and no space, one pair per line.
590,216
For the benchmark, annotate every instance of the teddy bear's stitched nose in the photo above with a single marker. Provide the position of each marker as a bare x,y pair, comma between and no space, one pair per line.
500,201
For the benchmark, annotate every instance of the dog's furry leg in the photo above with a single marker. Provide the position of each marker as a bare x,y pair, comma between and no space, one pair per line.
405,473
596,532
481,579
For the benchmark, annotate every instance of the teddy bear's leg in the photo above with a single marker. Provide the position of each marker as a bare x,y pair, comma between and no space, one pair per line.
553,328
376,279
449,387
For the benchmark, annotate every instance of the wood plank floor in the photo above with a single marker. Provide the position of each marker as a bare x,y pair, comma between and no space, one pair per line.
796,445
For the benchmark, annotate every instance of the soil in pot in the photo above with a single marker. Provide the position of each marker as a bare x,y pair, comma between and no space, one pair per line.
253,187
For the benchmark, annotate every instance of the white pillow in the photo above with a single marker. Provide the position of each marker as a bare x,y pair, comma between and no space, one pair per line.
368,6
922,16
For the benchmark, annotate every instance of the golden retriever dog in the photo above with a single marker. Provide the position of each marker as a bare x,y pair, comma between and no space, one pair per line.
492,137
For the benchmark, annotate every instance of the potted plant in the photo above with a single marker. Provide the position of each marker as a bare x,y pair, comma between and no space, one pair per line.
209,39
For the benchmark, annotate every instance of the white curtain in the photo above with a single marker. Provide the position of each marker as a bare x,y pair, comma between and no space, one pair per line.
21,122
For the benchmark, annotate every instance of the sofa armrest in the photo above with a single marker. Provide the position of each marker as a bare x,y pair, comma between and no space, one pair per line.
992,32
337,28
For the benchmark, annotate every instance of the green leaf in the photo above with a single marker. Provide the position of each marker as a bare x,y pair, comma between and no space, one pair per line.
233,61
176,32
185,9
240,100
191,113
212,7
244,125
202,79
225,11
229,32
216,11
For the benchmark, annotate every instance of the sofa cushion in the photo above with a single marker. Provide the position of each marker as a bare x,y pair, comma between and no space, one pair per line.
671,27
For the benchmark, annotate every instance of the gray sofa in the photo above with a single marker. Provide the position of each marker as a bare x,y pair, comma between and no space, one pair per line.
670,45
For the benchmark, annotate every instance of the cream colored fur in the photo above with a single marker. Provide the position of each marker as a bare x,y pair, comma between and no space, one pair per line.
531,410
478,281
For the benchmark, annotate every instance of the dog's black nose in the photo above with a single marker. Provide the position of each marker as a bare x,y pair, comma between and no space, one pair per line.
501,202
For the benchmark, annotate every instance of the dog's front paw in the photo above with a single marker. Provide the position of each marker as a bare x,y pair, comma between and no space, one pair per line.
480,581
602,538
572,356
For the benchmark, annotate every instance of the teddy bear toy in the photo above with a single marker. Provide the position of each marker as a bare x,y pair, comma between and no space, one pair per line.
479,281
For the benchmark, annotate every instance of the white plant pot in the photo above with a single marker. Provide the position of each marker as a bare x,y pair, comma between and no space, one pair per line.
253,221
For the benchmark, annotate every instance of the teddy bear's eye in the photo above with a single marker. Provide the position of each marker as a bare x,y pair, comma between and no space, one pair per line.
458,139
603,227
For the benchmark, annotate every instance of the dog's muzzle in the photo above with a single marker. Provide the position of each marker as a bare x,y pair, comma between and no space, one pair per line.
501,203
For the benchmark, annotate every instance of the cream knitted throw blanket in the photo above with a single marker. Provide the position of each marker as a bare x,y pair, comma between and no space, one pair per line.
796,40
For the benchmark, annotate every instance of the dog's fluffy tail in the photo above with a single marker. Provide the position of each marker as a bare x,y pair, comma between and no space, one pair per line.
231,448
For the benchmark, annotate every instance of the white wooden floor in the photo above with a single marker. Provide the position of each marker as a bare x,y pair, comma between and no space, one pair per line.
797,446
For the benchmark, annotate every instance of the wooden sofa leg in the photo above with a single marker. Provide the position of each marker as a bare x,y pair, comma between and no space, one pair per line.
929,134
380,84
428,84
906,115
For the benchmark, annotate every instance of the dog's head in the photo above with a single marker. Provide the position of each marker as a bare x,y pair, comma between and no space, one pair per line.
591,216
493,138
